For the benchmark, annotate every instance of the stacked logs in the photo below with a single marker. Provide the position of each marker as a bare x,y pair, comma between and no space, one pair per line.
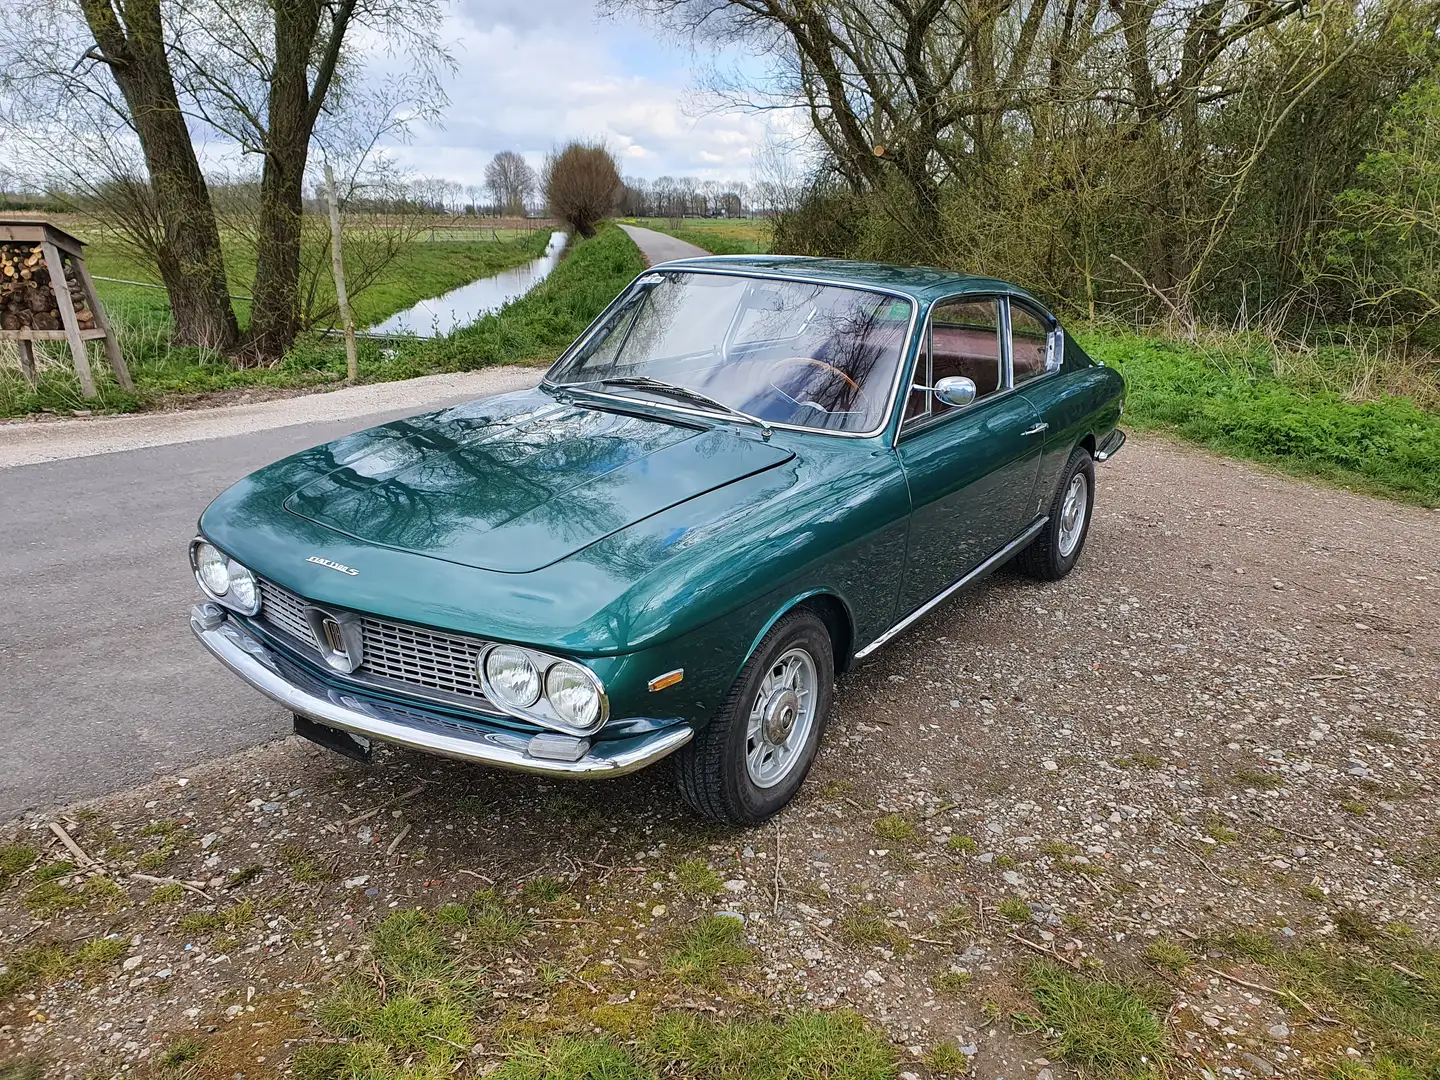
27,296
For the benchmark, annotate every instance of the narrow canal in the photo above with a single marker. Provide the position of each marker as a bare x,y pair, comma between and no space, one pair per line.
439,315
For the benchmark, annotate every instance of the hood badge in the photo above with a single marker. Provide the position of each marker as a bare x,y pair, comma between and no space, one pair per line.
318,561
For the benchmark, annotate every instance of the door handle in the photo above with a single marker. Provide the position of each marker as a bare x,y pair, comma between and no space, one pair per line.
1036,430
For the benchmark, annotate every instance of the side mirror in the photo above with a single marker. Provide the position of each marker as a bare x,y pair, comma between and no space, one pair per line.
956,391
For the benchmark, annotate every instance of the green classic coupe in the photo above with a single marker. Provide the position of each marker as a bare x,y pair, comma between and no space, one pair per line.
747,475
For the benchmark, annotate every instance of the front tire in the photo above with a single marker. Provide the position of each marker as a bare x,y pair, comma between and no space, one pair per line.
748,763
1056,550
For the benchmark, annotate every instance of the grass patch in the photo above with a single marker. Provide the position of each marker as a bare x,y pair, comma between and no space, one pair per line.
1258,779
1016,911
895,828
706,948
697,879
544,890
181,1052
1382,983
101,952
493,925
951,983
44,962
801,1046
235,917
1102,1026
1238,398
414,1010
966,845
946,1059
867,928
15,859
304,868
1218,829
1168,956
50,897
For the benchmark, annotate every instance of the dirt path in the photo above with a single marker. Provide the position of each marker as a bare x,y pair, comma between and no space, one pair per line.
1226,720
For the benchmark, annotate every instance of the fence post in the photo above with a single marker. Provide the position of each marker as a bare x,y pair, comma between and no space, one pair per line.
337,265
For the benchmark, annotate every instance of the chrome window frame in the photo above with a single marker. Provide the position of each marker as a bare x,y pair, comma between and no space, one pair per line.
901,368
931,419
1055,340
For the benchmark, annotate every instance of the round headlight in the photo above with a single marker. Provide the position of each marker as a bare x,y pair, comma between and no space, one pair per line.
212,568
572,695
243,590
512,676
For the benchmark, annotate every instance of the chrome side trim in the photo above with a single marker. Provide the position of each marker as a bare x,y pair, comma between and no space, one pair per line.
1113,442
293,689
935,601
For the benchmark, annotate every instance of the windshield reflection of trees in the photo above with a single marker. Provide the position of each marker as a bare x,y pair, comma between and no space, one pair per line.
730,337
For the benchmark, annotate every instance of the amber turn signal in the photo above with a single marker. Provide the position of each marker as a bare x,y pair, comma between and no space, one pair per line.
670,678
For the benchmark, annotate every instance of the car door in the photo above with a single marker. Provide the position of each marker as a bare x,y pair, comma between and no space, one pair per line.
971,470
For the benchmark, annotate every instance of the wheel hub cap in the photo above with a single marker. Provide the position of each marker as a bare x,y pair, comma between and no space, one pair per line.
782,718
781,712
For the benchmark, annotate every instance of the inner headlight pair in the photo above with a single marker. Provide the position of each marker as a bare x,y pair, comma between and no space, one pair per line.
223,579
548,690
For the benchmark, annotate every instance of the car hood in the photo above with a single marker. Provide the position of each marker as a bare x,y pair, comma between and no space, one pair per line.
518,483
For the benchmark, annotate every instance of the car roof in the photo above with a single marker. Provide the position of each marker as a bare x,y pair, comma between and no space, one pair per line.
923,283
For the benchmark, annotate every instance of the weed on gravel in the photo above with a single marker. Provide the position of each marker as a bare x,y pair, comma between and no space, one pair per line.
1101,1025
706,948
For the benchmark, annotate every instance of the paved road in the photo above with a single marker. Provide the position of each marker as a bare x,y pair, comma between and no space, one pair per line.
657,247
101,685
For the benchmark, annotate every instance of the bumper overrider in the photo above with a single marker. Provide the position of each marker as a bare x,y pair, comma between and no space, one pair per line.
546,754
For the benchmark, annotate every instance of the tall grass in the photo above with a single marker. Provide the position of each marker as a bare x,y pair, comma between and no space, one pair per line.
1246,398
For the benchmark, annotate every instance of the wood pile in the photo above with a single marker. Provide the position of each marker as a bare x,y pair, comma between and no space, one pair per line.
27,295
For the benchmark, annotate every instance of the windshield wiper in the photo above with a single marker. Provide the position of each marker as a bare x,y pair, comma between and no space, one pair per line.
660,386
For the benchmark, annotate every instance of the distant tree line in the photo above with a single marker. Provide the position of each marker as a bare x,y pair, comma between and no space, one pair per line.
1259,162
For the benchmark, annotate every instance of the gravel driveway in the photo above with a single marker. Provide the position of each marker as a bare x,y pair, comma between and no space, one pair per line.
1224,720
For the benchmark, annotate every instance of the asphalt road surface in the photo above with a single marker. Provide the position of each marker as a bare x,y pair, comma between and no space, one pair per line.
101,684
657,247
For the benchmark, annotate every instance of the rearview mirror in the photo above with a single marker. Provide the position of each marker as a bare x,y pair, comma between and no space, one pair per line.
956,391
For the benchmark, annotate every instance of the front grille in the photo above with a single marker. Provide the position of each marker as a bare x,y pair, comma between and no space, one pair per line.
284,609
397,651
426,657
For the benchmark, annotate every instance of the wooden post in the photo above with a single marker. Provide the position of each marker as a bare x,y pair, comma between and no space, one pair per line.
112,346
27,363
337,265
61,289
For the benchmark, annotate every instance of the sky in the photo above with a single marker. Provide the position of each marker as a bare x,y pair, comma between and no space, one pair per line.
534,74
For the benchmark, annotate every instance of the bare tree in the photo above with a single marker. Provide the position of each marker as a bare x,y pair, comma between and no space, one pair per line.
511,182
130,122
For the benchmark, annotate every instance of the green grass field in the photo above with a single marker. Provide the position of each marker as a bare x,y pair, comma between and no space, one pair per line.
428,267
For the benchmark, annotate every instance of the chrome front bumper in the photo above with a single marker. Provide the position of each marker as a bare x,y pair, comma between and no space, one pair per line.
419,729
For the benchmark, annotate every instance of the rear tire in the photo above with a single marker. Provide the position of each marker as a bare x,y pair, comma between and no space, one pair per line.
1056,550
746,764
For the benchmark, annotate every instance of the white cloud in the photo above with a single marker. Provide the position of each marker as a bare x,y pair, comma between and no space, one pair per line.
532,75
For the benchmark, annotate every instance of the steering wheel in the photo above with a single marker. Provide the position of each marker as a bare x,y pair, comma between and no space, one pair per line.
820,364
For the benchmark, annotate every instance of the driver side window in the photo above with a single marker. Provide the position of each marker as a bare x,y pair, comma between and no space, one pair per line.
965,341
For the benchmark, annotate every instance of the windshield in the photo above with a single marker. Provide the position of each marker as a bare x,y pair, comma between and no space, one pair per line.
786,352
